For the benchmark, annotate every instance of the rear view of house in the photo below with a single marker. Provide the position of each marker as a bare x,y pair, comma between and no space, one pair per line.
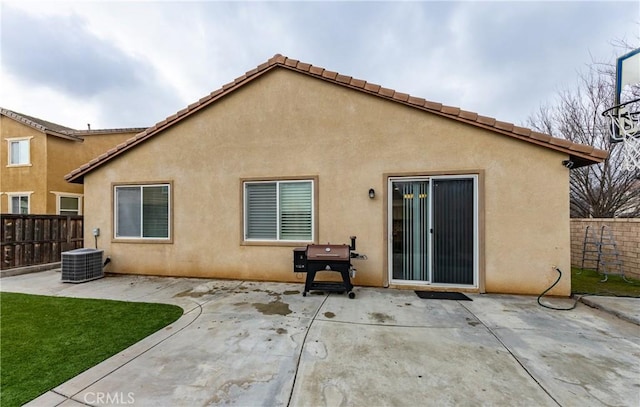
291,154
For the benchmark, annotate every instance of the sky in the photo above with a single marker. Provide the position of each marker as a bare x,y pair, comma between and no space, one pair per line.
131,64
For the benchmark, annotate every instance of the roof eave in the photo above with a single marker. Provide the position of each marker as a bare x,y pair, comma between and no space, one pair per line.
581,154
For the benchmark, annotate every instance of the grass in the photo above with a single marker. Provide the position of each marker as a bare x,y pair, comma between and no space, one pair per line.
589,282
45,341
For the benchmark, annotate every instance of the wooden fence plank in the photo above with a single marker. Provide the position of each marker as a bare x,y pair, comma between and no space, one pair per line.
28,240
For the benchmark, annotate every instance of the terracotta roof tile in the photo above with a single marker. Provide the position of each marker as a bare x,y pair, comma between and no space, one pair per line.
464,114
583,148
504,125
560,142
240,79
489,121
251,72
522,131
416,101
358,83
584,154
372,87
226,86
401,96
329,74
433,106
316,70
450,110
540,136
386,92
343,79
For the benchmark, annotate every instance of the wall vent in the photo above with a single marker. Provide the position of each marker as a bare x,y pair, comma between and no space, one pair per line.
82,265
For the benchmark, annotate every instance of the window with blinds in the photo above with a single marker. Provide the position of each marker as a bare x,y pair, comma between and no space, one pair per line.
142,211
279,210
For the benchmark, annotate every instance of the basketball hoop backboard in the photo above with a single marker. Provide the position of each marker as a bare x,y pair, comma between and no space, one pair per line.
627,73
625,114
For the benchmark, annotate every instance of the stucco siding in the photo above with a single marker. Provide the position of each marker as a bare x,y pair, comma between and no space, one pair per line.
27,178
289,125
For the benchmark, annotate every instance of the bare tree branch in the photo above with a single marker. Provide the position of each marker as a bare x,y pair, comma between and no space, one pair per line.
600,191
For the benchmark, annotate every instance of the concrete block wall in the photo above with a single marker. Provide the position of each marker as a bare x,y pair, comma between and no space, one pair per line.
626,232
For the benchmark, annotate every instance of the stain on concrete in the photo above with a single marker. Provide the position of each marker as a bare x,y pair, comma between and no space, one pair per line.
334,396
380,317
193,294
276,307
281,331
291,292
329,314
472,322
224,393
237,304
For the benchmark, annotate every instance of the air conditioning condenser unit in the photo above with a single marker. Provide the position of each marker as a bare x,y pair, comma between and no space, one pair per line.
82,265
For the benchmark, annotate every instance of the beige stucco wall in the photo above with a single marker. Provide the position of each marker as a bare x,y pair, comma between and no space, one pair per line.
67,155
286,124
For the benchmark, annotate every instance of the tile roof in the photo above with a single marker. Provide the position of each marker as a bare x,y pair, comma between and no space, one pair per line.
62,131
42,125
581,154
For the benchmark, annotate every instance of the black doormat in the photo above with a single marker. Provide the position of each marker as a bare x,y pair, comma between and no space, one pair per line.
442,295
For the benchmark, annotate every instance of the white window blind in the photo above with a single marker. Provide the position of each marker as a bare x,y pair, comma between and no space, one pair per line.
281,210
261,211
295,211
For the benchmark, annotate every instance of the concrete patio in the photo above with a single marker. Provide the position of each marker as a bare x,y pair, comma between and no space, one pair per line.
250,344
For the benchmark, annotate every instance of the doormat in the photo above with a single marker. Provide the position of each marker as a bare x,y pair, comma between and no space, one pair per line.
442,295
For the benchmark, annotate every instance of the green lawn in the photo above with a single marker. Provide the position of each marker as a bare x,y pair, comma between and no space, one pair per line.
588,282
45,341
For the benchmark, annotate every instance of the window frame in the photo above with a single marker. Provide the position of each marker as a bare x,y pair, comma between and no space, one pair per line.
60,195
10,142
278,180
11,195
141,239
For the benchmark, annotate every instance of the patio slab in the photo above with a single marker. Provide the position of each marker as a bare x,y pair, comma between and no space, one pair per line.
249,343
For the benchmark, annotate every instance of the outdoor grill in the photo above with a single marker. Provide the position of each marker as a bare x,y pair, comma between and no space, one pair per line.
327,257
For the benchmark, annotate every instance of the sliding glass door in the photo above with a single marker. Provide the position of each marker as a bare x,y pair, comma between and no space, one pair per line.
433,230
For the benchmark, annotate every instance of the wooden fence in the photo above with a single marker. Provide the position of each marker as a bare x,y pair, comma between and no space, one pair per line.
28,240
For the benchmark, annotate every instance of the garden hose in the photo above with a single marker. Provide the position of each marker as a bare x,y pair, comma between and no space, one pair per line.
549,289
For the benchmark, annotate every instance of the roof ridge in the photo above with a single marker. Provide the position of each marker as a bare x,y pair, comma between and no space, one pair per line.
587,154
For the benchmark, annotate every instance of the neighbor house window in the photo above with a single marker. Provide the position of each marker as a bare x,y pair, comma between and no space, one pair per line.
142,211
19,151
278,211
68,203
19,204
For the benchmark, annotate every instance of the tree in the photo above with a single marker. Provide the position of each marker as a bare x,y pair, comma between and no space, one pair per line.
605,190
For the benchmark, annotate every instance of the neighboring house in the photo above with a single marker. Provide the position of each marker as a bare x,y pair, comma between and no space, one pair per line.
36,154
290,154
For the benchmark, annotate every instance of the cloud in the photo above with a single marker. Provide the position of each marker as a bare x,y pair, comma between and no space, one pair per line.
60,53
138,62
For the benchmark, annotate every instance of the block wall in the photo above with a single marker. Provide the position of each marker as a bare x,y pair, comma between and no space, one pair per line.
625,231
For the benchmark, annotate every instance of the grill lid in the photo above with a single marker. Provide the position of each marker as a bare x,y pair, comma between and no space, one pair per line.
333,252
